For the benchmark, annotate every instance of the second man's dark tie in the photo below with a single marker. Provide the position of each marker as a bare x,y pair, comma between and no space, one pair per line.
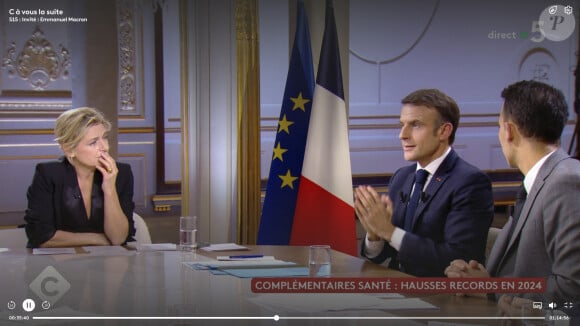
420,178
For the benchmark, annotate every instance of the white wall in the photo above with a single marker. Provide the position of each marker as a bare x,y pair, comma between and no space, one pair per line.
455,54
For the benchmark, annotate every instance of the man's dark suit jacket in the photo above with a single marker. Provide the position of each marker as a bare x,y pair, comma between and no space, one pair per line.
55,202
451,222
546,238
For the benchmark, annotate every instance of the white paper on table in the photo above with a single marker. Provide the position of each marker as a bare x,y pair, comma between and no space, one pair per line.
406,304
225,264
156,247
223,247
53,251
319,302
233,258
107,251
386,295
358,315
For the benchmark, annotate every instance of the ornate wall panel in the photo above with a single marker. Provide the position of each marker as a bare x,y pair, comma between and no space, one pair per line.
35,77
130,37
43,67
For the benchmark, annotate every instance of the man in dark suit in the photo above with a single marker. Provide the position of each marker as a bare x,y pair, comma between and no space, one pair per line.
423,225
542,238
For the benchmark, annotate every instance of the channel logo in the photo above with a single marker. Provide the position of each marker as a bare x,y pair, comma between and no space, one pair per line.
556,23
50,285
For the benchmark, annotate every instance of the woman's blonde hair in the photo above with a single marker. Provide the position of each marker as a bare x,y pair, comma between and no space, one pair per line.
72,125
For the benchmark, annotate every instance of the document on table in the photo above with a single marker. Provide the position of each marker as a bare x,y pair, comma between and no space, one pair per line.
53,251
223,247
405,304
245,258
267,272
231,264
156,247
386,295
318,302
107,251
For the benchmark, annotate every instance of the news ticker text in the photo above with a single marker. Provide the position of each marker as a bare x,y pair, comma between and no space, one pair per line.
398,285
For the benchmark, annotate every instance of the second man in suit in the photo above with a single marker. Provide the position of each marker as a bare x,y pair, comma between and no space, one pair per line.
542,237
438,209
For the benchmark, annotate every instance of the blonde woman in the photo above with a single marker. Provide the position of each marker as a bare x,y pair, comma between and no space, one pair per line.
84,198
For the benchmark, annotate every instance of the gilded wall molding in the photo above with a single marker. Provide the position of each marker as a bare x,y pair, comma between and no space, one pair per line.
396,126
185,118
246,20
136,130
127,56
396,116
248,109
39,62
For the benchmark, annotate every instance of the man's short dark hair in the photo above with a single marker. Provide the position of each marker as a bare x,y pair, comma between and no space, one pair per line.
445,106
539,110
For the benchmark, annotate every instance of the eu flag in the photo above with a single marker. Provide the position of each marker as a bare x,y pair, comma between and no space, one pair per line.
286,167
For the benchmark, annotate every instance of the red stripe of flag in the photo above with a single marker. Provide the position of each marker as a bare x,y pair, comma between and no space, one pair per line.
322,218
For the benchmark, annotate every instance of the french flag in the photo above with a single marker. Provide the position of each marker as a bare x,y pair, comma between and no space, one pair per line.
324,211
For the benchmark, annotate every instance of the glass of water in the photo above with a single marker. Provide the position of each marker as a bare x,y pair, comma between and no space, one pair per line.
188,233
319,261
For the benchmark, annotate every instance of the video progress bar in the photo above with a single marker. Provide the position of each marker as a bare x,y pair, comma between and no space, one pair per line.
277,318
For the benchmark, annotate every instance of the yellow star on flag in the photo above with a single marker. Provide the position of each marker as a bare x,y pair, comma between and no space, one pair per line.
284,124
287,180
278,151
299,102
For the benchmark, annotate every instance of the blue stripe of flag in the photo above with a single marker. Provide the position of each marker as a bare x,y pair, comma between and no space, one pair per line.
280,202
329,70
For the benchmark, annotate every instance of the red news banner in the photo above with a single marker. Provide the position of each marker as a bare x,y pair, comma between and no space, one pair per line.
398,285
